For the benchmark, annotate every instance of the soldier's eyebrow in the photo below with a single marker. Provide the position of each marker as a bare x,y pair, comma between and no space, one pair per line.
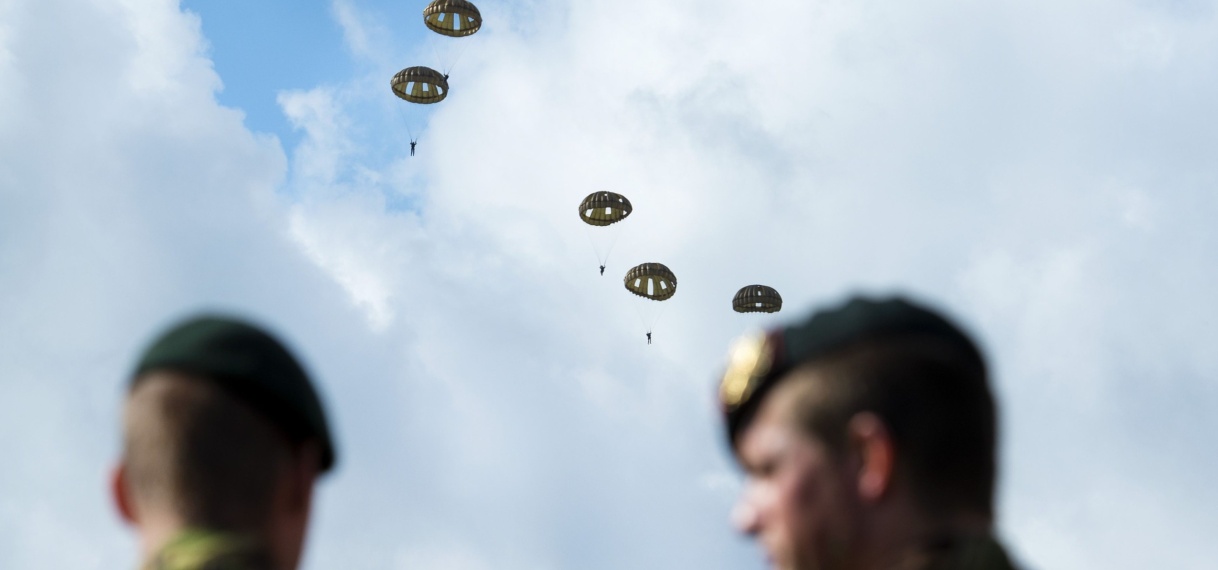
760,457
744,456
765,466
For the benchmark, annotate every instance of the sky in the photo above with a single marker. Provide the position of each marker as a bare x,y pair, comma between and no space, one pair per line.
1041,170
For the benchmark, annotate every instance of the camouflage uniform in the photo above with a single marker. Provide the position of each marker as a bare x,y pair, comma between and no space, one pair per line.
207,550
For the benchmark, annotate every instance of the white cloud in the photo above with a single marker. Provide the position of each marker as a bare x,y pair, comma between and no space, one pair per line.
1042,169
1004,159
355,33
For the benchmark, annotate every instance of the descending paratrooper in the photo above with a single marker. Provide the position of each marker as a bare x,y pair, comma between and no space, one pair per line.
654,283
600,210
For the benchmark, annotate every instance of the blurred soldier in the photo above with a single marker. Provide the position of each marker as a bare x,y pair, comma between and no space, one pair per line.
223,440
867,433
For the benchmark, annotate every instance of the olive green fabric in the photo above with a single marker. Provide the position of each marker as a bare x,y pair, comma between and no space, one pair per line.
419,84
604,208
198,549
961,553
251,365
651,281
757,299
453,18
757,364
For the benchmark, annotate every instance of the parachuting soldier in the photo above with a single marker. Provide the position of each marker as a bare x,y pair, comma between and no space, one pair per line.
421,86
652,283
223,440
601,210
867,434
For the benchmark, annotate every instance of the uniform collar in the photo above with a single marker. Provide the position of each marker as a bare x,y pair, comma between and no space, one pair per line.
200,549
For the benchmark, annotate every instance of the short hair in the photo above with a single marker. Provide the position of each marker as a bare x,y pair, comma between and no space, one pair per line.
934,398
207,456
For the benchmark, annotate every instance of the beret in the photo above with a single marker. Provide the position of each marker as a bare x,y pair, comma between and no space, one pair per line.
250,364
757,363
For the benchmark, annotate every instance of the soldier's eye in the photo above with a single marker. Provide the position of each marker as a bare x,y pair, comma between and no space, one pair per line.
766,468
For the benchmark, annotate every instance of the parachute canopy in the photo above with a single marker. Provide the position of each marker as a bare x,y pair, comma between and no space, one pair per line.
453,18
604,208
757,299
651,281
420,85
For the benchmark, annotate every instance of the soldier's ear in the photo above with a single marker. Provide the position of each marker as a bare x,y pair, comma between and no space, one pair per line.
873,444
121,494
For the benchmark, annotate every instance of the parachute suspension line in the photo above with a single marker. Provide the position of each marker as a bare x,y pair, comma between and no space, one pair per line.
592,242
454,57
638,310
439,61
613,232
409,131
663,307
617,232
456,60
649,316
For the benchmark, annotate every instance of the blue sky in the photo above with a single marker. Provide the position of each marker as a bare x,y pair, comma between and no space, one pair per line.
262,48
1041,170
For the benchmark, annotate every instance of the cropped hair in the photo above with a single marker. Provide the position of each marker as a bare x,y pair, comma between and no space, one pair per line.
935,400
205,455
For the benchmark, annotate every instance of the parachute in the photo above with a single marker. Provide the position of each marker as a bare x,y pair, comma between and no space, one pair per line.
452,18
601,209
651,282
604,208
757,299
419,84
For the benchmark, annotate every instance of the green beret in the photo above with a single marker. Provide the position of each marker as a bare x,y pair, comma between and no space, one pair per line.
249,364
758,363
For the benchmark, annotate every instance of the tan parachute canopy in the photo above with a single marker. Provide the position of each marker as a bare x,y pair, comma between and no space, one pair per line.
652,281
420,85
757,299
453,18
604,208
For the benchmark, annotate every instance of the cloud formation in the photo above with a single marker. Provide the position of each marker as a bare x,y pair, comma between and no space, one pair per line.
1043,170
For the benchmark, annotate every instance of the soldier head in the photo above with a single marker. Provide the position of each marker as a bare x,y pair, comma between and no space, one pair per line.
222,431
867,433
